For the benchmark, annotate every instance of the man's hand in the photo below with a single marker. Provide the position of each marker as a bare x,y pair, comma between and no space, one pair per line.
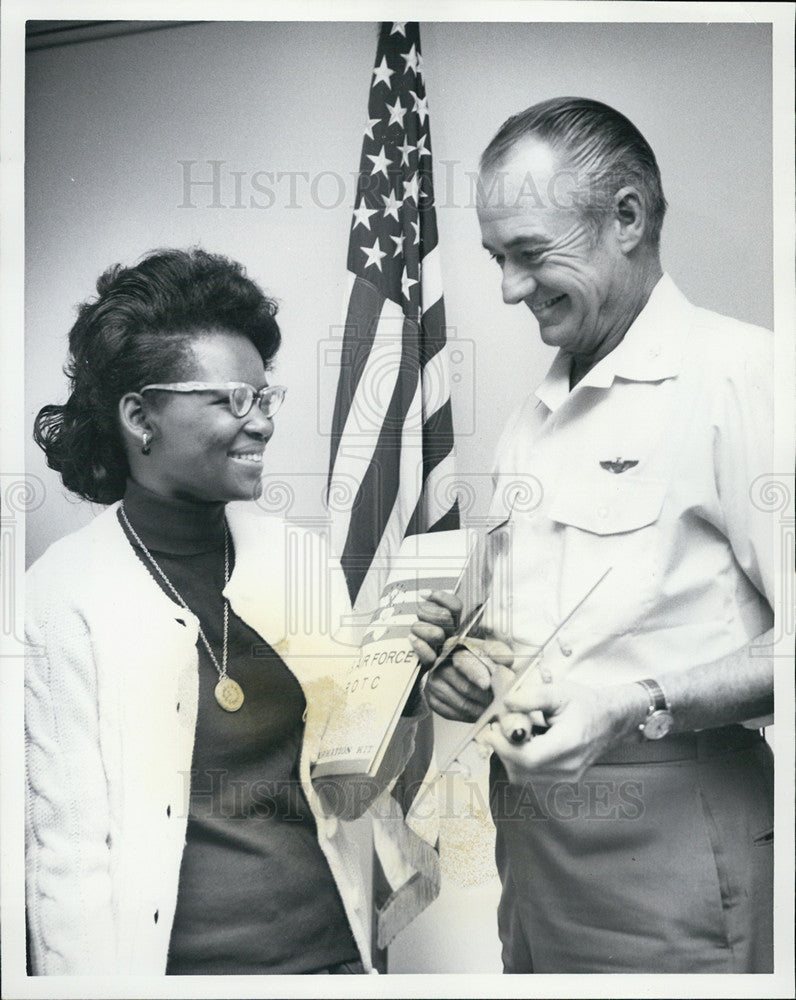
461,686
583,723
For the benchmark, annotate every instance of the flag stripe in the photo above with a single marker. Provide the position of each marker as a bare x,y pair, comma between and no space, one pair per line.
431,279
361,331
376,376
433,332
379,488
393,532
433,505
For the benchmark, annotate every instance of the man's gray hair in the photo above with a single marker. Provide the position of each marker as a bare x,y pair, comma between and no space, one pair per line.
600,143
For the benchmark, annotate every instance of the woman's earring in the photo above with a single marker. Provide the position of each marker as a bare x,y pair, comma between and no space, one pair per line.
145,446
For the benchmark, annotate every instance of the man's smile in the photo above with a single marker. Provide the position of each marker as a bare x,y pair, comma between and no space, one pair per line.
538,308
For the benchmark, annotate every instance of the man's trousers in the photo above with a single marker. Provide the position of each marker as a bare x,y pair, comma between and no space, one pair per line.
645,865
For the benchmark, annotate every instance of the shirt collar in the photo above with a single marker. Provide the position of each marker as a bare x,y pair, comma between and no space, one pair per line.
650,351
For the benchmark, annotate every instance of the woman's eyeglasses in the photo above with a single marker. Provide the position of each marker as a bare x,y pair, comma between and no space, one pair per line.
241,395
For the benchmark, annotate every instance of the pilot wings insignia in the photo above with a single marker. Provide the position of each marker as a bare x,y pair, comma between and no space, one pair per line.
619,465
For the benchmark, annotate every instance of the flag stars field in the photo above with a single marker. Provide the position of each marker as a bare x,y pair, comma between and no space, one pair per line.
395,141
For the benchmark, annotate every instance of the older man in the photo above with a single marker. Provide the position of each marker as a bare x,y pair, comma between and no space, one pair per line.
634,833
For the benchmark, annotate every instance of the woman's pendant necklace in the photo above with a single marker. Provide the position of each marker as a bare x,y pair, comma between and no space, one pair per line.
229,693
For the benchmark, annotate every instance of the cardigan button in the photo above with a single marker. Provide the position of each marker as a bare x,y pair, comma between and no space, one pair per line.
157,914
168,811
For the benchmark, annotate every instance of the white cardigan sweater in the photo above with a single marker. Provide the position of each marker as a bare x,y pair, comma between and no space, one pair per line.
110,713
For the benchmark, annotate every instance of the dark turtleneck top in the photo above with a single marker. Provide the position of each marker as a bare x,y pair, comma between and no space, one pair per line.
256,894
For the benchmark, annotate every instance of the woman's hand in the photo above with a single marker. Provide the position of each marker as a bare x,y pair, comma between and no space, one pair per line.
460,688
438,617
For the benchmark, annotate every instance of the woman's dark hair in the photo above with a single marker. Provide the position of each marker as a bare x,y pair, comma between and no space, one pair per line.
137,331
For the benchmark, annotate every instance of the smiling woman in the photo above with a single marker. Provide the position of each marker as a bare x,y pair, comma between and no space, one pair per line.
171,715
205,438
172,316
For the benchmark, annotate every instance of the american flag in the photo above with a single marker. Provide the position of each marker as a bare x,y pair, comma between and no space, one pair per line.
391,463
392,434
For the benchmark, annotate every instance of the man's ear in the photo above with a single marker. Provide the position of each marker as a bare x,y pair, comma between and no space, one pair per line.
630,218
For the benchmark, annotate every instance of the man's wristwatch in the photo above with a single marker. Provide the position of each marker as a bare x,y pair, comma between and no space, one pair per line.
659,720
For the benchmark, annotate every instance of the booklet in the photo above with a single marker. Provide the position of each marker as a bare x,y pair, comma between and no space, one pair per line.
381,679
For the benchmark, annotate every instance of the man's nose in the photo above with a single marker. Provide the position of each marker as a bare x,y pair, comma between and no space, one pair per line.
518,284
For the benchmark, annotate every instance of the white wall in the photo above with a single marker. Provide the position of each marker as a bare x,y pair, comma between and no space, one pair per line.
109,122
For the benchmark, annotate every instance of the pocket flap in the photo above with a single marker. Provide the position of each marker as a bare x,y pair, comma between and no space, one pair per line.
608,505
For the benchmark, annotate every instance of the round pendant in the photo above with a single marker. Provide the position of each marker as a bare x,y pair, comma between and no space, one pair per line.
229,694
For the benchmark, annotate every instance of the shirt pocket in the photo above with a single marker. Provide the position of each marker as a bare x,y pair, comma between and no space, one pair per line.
610,522
610,506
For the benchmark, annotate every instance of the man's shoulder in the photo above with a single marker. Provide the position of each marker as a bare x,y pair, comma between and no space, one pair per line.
728,347
720,321
716,329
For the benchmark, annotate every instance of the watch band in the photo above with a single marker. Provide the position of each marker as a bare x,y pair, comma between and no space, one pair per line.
657,698
659,721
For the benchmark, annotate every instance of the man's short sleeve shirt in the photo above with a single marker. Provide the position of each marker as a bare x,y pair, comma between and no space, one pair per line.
654,466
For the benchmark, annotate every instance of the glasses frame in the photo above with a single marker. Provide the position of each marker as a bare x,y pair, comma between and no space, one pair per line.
258,395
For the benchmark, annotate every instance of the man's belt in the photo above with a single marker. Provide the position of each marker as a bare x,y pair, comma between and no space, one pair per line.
684,746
